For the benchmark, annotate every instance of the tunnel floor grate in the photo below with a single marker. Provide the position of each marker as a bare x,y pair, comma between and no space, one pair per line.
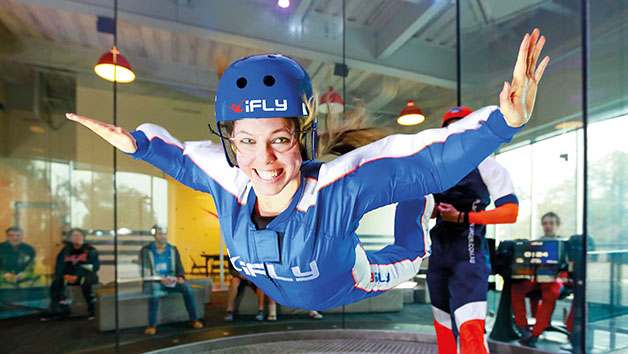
333,346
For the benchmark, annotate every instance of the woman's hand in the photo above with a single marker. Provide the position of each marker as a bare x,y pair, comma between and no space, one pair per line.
516,100
116,136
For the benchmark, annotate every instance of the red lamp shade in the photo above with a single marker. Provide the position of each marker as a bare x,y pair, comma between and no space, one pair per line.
331,101
410,115
113,66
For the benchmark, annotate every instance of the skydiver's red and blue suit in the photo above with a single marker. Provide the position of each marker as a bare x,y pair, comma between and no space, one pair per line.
459,267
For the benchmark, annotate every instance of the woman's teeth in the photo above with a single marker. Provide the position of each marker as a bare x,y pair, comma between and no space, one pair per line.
268,175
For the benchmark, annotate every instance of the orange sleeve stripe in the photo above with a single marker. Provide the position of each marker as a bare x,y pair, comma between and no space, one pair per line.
504,214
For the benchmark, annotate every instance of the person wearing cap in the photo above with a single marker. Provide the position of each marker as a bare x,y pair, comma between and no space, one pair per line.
289,221
457,275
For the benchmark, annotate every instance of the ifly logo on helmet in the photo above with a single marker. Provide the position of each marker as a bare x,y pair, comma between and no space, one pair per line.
267,106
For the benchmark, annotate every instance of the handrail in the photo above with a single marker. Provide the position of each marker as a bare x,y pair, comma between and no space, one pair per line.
608,252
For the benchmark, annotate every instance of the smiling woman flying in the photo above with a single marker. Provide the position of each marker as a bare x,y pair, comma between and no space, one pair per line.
288,221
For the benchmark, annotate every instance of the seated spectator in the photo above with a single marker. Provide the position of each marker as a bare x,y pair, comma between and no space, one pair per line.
77,264
238,283
17,259
550,293
162,272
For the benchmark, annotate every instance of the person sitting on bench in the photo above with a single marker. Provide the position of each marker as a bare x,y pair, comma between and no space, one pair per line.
77,264
162,272
17,259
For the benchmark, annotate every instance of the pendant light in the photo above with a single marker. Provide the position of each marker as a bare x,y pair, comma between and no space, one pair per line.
332,100
410,115
114,66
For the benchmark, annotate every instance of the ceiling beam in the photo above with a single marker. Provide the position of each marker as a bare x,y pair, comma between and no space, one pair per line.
402,27
213,20
385,91
560,9
301,11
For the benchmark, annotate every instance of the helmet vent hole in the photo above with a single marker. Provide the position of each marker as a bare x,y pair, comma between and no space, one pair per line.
269,80
241,82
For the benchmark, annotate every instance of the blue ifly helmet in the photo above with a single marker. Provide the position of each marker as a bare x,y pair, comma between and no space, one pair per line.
265,86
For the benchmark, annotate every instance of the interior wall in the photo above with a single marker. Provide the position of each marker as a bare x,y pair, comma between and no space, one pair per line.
192,223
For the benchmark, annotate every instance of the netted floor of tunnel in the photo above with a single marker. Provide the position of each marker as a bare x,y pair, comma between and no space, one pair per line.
332,346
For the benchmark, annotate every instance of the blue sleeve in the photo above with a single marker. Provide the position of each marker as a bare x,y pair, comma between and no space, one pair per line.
199,165
406,167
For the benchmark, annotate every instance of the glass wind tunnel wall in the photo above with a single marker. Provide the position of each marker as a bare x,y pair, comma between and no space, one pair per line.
607,214
544,160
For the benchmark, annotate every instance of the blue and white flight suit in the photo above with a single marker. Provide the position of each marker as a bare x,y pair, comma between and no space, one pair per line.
459,267
309,255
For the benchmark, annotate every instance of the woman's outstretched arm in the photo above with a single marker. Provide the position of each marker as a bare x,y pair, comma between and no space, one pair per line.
198,165
406,167
114,135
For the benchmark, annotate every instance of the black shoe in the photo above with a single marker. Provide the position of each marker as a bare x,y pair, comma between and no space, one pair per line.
524,331
260,316
529,341
229,316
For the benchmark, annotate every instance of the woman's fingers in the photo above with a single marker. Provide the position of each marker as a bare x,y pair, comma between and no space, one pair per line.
535,55
93,125
116,136
539,71
504,95
80,119
533,39
519,72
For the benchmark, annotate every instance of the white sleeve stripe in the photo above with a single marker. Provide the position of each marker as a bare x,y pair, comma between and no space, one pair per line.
399,272
496,178
397,146
207,156
310,192
430,204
